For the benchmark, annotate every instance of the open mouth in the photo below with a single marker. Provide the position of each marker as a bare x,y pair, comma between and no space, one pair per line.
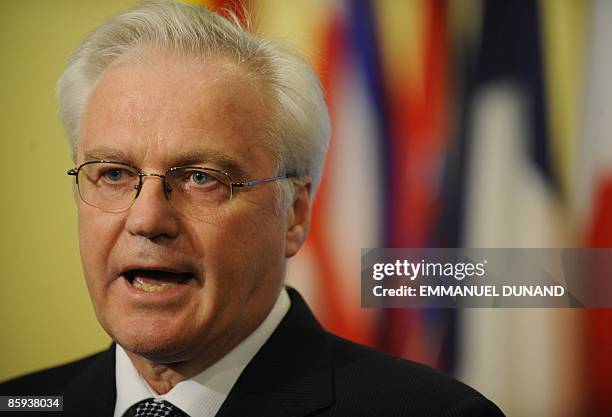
155,280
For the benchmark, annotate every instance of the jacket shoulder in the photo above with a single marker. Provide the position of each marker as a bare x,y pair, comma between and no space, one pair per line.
377,381
50,381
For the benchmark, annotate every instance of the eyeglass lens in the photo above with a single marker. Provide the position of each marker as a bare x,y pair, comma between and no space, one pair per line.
190,190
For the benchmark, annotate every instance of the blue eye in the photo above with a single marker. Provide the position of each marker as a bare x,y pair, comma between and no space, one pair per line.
199,177
114,174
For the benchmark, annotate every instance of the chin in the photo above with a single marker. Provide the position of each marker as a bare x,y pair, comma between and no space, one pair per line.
154,341
156,350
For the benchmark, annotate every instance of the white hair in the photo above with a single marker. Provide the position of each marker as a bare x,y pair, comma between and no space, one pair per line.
299,132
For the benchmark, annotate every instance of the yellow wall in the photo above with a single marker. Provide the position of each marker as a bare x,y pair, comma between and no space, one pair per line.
45,313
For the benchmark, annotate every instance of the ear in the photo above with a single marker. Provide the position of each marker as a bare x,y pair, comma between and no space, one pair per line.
298,218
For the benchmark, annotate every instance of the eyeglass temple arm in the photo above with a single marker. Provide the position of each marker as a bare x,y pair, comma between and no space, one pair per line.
72,171
261,181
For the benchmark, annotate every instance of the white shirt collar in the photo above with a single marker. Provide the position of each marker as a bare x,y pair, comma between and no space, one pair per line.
202,395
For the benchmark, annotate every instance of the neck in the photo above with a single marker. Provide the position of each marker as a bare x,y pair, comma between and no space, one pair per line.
161,377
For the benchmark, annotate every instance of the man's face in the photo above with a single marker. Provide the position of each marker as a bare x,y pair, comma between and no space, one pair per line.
176,113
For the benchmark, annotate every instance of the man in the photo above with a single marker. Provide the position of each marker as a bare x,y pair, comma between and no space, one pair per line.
198,148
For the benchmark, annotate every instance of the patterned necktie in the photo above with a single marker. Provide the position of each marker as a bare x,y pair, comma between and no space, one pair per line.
154,407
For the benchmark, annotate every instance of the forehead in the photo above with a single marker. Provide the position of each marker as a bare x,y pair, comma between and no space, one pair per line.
156,112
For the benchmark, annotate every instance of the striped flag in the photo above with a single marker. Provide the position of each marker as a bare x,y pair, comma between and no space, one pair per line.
594,200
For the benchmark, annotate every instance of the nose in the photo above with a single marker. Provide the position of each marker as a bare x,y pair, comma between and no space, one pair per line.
151,215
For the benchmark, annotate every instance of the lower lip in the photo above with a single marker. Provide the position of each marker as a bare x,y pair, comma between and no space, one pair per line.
154,296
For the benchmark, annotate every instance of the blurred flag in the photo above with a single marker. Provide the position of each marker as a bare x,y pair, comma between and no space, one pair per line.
414,41
347,213
508,198
594,199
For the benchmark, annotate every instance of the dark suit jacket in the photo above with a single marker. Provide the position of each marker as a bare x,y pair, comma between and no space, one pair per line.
300,371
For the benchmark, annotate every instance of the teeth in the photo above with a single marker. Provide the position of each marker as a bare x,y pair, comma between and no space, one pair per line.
143,286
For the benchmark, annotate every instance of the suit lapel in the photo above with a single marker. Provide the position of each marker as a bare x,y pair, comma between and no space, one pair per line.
92,392
291,375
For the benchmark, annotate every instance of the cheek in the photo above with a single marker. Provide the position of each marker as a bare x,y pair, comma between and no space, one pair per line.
96,239
243,251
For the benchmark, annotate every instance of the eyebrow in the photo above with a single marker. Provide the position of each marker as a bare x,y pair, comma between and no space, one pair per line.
107,154
219,160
